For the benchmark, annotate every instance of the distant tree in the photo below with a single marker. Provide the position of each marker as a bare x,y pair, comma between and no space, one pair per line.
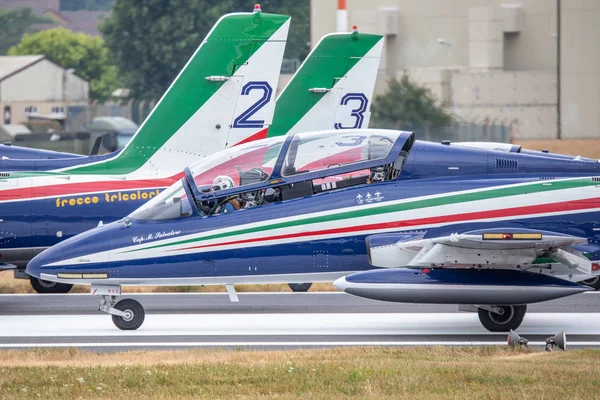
88,5
15,23
406,103
87,55
152,39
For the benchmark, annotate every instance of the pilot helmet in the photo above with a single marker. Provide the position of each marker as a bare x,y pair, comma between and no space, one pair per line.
222,182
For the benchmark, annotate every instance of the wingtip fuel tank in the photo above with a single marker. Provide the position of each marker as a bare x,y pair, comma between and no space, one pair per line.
457,286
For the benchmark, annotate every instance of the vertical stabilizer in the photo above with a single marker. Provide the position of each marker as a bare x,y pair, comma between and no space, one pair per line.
333,88
223,95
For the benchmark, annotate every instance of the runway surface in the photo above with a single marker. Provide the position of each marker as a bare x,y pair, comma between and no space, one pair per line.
277,320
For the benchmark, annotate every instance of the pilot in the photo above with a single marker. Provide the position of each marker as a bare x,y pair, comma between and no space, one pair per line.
377,175
223,182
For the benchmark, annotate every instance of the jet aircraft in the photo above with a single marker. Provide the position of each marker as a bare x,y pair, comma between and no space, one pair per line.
486,229
332,88
223,96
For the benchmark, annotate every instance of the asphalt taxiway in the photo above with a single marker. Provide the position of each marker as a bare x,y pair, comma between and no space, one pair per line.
277,320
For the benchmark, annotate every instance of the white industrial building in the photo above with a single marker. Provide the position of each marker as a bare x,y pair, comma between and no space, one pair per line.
489,61
33,86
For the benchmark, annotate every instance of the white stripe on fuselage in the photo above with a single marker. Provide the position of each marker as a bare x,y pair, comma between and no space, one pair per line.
533,199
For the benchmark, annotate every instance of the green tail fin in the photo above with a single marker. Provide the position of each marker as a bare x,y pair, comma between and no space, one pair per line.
333,88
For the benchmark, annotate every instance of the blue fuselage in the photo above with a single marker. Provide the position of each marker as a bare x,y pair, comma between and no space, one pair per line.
431,169
316,249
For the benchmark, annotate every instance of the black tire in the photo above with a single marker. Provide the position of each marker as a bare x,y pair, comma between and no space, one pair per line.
300,287
42,286
135,318
511,319
593,282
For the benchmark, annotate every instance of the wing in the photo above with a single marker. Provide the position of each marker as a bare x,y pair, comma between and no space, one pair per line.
495,248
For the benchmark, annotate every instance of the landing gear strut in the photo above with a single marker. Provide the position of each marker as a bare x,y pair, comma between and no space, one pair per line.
501,318
127,314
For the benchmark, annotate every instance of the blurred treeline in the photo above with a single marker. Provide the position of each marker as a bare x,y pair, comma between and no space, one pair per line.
144,43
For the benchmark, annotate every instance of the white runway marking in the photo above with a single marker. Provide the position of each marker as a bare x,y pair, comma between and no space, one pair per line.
290,324
280,344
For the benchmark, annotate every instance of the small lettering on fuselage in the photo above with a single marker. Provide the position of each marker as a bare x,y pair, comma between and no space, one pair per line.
115,197
154,236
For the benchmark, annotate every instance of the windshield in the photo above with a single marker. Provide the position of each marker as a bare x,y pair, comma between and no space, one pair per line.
316,151
238,166
170,204
123,139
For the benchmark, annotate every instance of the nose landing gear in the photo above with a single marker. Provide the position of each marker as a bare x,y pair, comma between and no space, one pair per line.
127,314
133,317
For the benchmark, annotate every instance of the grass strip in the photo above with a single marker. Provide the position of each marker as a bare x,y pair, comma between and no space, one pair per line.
345,373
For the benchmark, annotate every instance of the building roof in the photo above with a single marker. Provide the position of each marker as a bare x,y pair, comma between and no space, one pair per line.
38,6
10,65
79,21
13,130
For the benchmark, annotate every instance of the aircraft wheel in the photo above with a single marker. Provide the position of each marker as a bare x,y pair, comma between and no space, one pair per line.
42,286
593,282
134,318
300,287
510,319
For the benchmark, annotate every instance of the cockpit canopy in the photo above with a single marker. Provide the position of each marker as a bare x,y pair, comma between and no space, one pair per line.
263,171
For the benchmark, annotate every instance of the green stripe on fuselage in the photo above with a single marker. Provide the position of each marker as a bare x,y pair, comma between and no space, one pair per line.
411,205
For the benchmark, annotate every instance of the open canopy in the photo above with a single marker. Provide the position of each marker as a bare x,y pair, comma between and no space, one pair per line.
262,168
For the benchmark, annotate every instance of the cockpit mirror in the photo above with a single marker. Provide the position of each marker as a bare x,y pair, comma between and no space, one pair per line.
172,200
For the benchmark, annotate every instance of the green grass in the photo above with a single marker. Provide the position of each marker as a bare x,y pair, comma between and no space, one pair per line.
374,373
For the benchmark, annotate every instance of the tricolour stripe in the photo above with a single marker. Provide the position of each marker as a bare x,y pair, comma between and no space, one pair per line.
385,208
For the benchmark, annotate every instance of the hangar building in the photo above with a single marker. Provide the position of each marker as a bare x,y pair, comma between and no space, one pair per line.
33,86
490,60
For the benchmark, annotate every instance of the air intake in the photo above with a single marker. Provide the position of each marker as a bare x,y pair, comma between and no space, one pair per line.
505,163
4,174
596,179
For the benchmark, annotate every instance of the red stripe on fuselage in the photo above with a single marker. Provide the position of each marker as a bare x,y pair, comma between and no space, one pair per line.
506,212
34,192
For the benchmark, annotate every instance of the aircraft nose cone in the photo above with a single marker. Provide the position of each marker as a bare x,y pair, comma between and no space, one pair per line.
34,267
40,263
341,284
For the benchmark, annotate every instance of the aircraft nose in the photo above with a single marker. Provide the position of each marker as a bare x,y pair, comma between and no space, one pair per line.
42,263
34,267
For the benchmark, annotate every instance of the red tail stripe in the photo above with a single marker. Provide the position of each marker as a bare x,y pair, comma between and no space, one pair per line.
257,136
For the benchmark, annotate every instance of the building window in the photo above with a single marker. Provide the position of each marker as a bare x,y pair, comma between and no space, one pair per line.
7,115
